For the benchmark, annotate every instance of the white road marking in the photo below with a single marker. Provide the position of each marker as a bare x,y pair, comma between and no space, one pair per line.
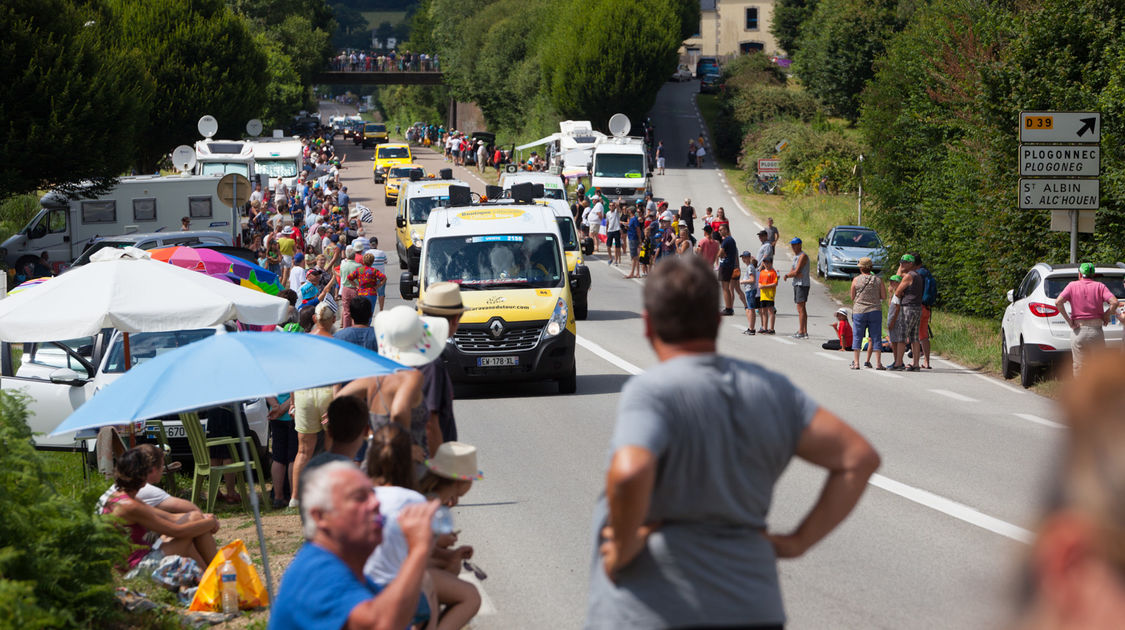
952,508
886,374
783,340
828,355
941,504
1037,420
607,355
486,606
997,383
954,395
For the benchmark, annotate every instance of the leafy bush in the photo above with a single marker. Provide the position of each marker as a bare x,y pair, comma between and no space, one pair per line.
56,558
15,212
812,151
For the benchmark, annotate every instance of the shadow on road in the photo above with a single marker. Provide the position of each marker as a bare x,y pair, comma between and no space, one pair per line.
605,316
588,385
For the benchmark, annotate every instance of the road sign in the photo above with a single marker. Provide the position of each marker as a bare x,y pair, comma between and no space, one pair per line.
234,189
1071,160
1071,127
769,166
1061,220
1061,194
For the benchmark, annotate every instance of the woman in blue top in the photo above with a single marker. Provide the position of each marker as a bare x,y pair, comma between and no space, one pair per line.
283,442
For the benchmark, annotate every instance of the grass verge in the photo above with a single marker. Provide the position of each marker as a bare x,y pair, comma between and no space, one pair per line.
969,340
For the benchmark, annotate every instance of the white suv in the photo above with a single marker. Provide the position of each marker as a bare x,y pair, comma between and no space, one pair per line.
1033,334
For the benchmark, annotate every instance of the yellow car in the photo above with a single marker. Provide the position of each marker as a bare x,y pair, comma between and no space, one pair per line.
387,155
374,133
396,177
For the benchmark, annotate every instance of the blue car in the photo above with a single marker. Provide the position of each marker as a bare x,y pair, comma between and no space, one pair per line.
840,251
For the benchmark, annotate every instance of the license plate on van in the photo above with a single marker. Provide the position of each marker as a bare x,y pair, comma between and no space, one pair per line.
175,431
497,361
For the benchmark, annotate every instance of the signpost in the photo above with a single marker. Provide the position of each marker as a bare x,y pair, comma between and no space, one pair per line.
1059,162
769,166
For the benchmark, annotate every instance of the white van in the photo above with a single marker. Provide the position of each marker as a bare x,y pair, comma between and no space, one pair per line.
219,157
64,228
553,185
278,157
620,168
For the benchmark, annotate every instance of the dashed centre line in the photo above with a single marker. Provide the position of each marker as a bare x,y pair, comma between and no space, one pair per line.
954,395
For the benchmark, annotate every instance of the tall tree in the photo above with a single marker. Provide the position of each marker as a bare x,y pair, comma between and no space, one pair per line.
72,105
788,18
612,56
202,59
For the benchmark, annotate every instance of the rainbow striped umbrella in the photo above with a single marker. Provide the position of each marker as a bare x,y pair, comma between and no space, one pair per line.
23,286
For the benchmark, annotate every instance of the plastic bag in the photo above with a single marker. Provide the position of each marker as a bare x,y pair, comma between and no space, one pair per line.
176,571
251,591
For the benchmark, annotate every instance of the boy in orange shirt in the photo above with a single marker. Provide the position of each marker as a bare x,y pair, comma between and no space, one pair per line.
767,282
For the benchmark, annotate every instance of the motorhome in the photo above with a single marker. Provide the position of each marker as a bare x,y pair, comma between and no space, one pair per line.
219,157
620,165
278,157
553,185
63,228
569,151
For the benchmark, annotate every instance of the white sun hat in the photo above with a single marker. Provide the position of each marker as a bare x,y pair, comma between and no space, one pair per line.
409,338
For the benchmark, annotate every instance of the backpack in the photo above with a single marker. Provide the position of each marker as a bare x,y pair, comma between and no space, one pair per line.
929,287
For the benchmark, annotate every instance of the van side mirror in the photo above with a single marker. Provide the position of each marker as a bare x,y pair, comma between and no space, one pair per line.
1011,295
400,222
406,285
67,376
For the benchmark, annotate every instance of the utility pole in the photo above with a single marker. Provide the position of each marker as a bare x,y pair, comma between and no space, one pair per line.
857,170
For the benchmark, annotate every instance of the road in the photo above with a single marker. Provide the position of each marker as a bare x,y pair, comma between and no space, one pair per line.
936,541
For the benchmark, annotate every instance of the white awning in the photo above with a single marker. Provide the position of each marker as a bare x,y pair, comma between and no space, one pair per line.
550,138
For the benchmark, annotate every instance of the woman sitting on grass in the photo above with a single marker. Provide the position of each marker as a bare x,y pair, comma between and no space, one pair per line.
189,535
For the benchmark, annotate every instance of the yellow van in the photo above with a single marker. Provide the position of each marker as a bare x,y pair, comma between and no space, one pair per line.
374,133
412,211
510,264
575,263
388,154
398,175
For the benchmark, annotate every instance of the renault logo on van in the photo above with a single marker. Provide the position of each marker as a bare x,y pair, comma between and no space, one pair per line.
496,328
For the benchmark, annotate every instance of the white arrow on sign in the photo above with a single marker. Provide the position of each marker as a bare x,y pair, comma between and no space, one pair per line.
1071,127
1059,194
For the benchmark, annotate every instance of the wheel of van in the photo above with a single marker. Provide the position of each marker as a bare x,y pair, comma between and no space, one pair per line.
581,310
569,383
388,201
1007,367
1027,372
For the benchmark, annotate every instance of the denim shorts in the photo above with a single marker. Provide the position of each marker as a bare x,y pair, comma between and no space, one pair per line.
871,322
752,299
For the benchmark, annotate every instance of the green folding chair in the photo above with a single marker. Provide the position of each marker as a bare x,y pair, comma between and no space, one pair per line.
154,430
201,453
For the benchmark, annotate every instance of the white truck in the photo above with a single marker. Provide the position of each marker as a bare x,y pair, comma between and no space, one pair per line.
277,157
570,150
63,227
553,185
620,168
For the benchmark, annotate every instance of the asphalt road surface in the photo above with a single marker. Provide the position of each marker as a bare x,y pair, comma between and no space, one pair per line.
936,541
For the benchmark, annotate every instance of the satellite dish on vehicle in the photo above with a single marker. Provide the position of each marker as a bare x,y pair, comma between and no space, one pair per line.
619,125
207,126
254,127
183,158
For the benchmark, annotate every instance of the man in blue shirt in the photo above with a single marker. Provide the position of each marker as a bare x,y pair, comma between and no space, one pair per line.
634,230
343,199
324,586
360,332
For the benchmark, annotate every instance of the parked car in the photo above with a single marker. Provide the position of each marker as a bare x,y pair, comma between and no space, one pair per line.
682,73
839,252
710,83
1033,334
156,240
59,376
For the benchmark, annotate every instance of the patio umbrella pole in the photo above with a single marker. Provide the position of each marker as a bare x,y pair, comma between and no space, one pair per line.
252,489
129,364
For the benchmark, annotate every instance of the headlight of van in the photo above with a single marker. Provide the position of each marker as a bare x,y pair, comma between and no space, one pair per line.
557,323
414,238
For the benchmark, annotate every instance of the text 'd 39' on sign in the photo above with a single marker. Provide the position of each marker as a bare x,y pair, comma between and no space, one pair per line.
1073,127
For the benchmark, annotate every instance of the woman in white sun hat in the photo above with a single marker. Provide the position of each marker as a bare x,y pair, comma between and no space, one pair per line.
412,340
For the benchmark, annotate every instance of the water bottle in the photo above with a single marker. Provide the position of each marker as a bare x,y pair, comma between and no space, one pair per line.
229,578
443,522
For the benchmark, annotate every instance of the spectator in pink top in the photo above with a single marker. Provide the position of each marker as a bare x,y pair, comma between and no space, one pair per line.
1088,313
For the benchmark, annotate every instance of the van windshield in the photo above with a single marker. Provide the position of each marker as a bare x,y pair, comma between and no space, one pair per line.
420,207
222,168
393,153
277,168
495,261
619,165
145,346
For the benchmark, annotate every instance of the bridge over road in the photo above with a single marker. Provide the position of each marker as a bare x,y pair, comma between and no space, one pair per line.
394,77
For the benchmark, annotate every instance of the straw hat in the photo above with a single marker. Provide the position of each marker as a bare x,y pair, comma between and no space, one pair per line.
442,298
410,339
455,460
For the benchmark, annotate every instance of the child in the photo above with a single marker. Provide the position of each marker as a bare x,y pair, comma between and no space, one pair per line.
895,330
767,283
843,340
749,285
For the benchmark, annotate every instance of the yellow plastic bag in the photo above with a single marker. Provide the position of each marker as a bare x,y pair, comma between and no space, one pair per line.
251,592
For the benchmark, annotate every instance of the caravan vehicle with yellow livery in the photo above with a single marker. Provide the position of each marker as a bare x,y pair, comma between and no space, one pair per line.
416,199
510,264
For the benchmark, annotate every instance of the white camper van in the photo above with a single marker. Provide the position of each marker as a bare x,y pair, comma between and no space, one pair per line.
277,157
219,157
63,228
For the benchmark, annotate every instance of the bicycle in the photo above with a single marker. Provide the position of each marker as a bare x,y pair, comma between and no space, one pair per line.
765,184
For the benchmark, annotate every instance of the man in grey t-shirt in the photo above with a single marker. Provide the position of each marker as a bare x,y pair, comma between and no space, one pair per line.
690,546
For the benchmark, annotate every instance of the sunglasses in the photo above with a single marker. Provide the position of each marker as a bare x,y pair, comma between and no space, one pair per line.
474,569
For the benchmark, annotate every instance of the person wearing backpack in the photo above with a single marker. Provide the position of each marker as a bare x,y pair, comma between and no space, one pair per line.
929,296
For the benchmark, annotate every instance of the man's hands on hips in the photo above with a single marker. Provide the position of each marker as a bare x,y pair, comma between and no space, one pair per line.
619,551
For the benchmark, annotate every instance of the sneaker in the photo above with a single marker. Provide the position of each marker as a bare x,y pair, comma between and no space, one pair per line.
727,311
293,503
748,331
762,331
772,331
897,368
795,335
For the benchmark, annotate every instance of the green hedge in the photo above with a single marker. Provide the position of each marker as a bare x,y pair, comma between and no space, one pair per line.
812,151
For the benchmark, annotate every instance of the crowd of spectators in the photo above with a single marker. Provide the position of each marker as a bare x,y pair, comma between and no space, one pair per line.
388,61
